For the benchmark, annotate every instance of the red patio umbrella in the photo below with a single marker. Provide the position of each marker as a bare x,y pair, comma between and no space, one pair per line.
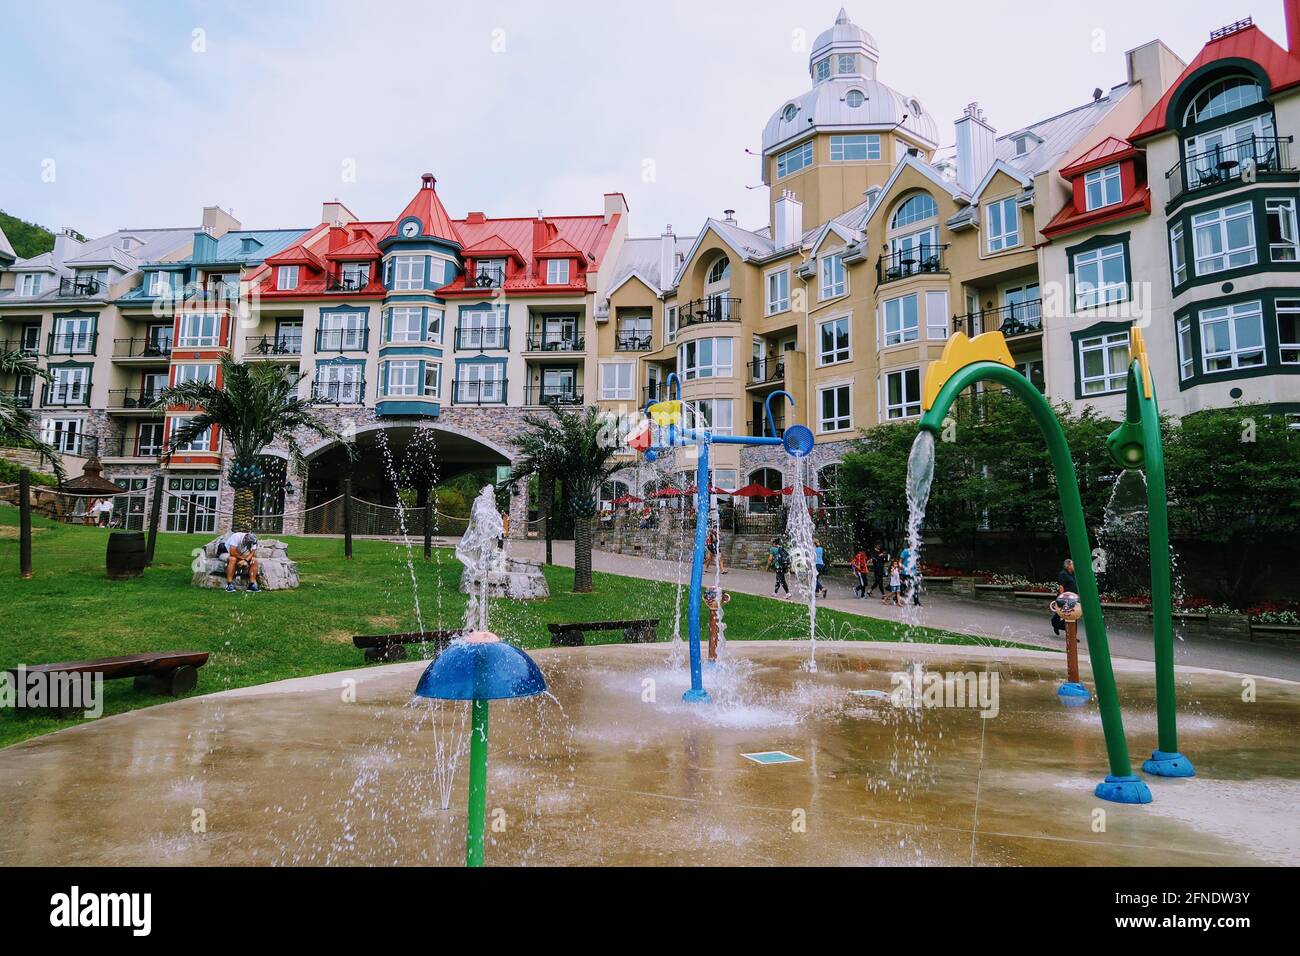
808,492
754,490
713,489
627,500
669,492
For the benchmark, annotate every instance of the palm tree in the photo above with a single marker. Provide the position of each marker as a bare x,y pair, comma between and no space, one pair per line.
255,406
17,426
579,448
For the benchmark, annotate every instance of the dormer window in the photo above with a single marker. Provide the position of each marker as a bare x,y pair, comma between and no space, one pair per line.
854,98
822,70
489,273
286,278
1102,188
1225,96
355,275
29,283
789,113
160,283
557,271
846,63
1022,145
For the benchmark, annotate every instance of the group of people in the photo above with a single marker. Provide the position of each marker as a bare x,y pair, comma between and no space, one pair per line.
779,562
895,577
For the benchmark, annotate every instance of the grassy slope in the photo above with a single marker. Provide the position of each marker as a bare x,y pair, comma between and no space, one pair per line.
70,611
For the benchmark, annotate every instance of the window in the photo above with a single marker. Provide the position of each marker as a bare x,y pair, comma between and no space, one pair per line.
199,329
720,271
432,379
936,315
1103,363
1100,277
789,113
160,283
1225,96
203,493
857,147
855,98
355,275
833,341
408,272
1288,330
902,323
342,331
903,393
74,334
341,383
91,281
834,280
705,358
69,385
286,277
406,324
1186,359
1177,254
1232,337
201,443
481,383
715,414
1102,187
63,433
822,69
557,271
616,380
1224,238
846,63
29,283
1002,222
670,323
195,373
795,159
778,291
834,404
403,378
1282,235
917,208
482,329
433,332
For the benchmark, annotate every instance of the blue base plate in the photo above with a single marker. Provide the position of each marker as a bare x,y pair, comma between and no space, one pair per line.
694,696
1074,690
1164,764
1123,790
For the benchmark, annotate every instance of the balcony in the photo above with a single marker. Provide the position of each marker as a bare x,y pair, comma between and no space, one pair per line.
134,446
280,345
215,296
1223,165
133,399
73,395
338,393
72,343
80,287
26,347
633,341
766,371
554,342
483,338
1021,318
717,308
341,340
920,260
347,283
553,395
485,277
479,392
650,394
158,348
757,429
22,398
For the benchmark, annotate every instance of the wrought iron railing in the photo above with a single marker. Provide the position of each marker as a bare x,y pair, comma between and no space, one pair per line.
486,277
483,337
81,286
64,395
339,393
342,340
555,342
1020,318
716,308
20,345
159,347
479,392
133,397
919,260
762,429
633,341
21,397
764,371
553,395
1230,164
72,343
347,283
269,346
133,446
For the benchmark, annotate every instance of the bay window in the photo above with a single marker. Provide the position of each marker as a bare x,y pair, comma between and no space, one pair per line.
1232,337
903,393
1224,238
705,358
902,321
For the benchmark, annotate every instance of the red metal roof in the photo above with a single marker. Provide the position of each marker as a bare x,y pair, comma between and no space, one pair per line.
427,207
1250,43
580,235
1109,150
1070,219
492,245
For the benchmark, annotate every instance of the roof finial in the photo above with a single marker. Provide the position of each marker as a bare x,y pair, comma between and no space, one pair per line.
842,16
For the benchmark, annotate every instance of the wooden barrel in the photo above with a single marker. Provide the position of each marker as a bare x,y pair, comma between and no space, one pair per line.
126,555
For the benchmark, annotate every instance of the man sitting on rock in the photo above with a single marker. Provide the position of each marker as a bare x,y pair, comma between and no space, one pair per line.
240,551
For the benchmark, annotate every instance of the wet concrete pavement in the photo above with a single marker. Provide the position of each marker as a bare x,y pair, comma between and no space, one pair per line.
614,769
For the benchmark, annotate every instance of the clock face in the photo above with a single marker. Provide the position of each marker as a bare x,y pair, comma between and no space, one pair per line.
411,229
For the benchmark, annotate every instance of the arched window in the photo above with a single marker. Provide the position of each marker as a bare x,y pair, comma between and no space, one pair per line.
916,208
770,479
1222,97
720,271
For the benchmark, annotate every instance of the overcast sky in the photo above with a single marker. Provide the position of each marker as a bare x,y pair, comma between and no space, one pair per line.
119,114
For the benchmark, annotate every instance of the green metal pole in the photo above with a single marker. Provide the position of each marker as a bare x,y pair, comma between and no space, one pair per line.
1076,531
478,749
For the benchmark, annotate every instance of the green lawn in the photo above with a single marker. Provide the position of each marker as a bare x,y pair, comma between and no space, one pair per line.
71,611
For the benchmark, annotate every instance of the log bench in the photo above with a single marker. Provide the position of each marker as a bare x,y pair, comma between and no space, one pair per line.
166,672
574,635
390,647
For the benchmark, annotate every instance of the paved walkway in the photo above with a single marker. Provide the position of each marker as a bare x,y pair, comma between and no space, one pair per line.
1028,624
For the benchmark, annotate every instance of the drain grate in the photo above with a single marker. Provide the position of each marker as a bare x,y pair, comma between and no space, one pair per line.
772,757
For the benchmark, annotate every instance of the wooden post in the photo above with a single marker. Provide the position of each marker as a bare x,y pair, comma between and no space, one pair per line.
25,522
426,505
191,512
155,513
347,518
1072,651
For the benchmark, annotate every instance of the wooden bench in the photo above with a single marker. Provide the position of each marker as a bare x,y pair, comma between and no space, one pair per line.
389,647
574,635
167,672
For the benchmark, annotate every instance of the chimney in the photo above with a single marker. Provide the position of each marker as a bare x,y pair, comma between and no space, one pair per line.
975,151
217,222
667,258
427,181
66,244
475,218
615,205
788,225
1292,10
729,216
334,213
